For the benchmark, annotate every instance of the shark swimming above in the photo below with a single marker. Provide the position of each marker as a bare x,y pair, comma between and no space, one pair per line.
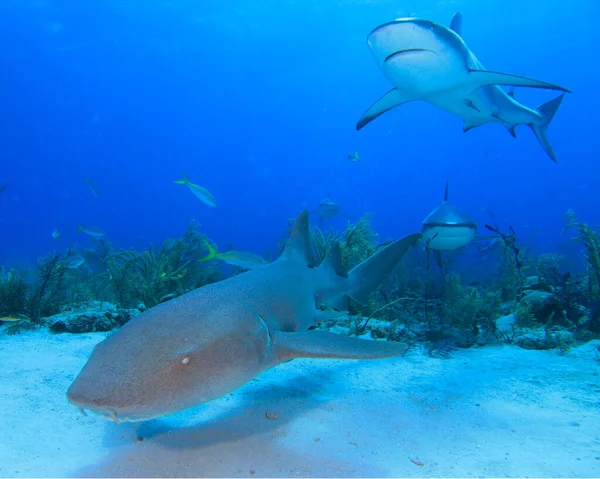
447,227
210,341
427,61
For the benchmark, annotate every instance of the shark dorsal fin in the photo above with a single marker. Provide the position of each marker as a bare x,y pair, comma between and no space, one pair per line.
299,243
334,260
456,24
446,192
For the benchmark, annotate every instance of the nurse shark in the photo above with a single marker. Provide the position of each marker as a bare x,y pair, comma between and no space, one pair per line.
212,340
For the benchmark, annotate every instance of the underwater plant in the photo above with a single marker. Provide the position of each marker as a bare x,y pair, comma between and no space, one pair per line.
514,262
358,242
322,241
157,275
591,242
13,293
48,291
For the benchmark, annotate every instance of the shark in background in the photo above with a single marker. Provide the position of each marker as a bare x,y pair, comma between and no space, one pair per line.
327,209
212,340
427,61
447,227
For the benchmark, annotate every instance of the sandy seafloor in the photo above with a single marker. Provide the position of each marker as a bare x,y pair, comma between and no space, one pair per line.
494,411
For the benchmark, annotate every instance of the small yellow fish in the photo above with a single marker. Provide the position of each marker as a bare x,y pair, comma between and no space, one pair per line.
198,191
11,319
242,259
354,157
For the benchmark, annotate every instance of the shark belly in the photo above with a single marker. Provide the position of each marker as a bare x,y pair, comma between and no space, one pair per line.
448,237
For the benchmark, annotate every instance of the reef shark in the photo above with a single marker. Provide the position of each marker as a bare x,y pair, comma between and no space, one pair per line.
210,341
427,61
327,209
447,227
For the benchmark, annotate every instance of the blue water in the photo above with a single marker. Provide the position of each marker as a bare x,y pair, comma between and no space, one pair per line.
257,101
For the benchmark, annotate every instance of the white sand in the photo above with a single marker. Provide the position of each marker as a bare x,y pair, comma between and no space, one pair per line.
499,411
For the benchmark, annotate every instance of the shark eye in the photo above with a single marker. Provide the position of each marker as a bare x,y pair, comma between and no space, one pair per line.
185,360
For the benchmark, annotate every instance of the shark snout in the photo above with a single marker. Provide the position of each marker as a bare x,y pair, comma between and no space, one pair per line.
79,395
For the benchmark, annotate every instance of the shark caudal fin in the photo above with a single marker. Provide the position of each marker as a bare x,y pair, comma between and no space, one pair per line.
369,274
547,112
323,344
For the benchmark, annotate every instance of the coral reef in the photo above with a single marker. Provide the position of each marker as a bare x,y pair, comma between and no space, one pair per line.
530,300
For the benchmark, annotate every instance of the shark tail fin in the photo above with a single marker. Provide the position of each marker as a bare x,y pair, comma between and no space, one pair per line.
299,244
323,344
547,112
212,252
184,181
369,274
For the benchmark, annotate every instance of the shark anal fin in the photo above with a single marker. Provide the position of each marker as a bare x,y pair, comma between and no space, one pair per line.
513,131
486,77
456,24
391,99
323,344
469,126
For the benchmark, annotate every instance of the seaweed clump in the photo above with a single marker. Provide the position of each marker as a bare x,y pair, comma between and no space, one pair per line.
49,290
13,293
591,242
158,275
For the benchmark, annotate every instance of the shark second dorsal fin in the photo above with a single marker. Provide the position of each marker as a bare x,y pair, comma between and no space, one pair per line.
334,260
446,192
298,246
323,344
369,274
456,24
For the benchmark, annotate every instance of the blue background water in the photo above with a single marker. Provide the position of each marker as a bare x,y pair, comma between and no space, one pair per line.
258,102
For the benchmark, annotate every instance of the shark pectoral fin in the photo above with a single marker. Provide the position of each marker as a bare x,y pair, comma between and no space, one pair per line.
486,77
392,98
323,344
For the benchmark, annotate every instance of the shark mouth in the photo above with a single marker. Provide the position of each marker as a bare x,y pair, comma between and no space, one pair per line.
406,53
111,415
